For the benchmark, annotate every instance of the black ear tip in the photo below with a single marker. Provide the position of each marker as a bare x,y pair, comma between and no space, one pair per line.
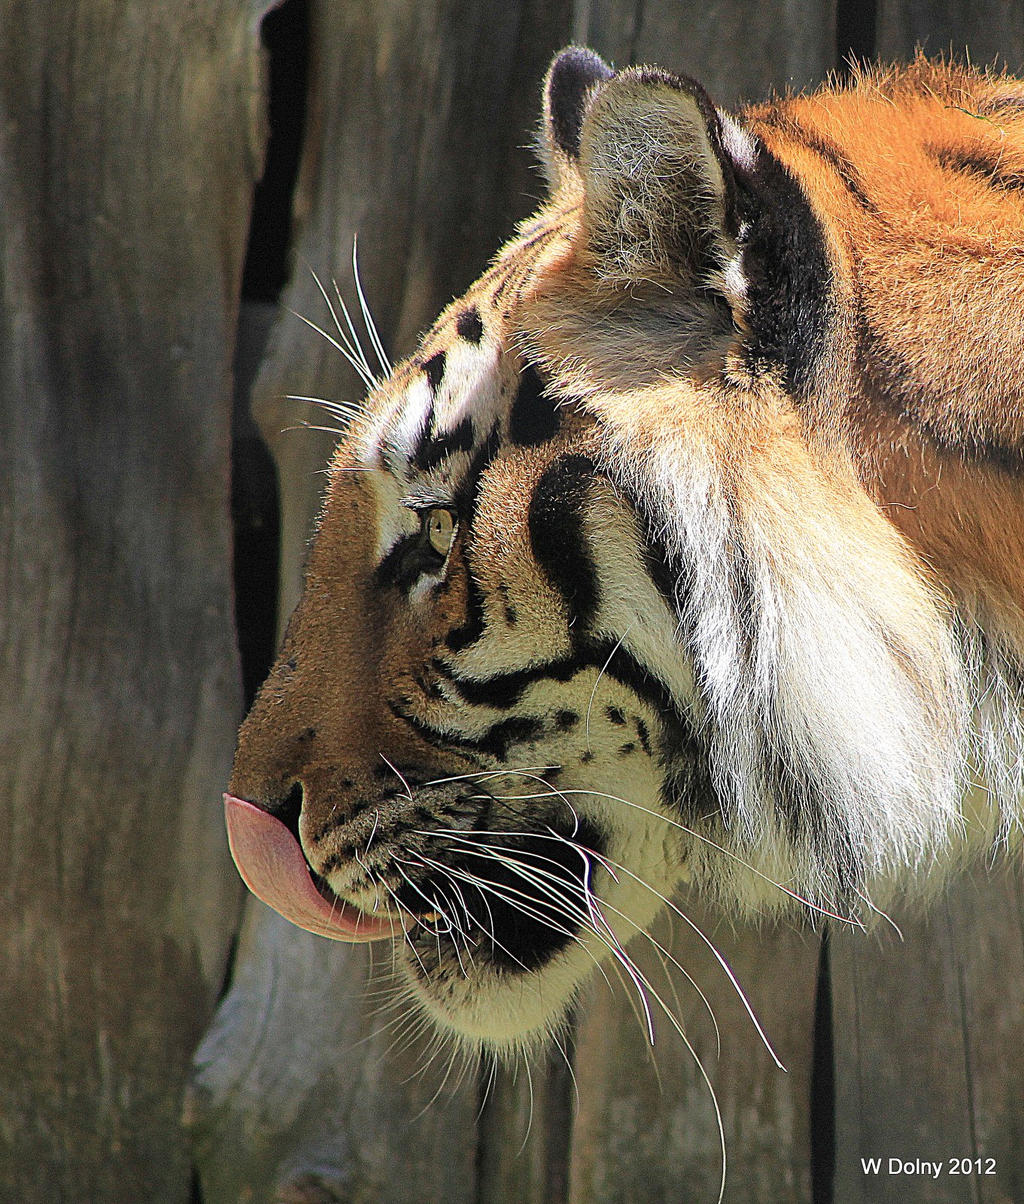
571,76
581,61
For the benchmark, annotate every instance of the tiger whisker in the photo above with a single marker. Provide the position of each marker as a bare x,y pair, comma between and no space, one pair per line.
529,1113
454,1051
609,864
639,979
339,347
884,915
716,954
832,915
482,886
483,849
489,929
644,985
350,345
487,1087
353,336
568,1065
341,409
434,906
589,920
464,933
302,425
508,895
373,830
371,326
593,693
431,905
397,773
473,845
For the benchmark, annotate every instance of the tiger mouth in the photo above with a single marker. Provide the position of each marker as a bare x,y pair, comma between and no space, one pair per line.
272,865
530,900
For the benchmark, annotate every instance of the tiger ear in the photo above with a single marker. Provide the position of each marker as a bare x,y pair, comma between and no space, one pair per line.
659,186
573,77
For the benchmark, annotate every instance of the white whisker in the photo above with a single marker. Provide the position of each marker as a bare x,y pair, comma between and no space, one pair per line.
832,915
593,693
371,327
339,347
349,338
408,788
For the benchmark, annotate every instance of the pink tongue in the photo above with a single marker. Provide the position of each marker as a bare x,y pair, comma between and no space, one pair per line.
273,867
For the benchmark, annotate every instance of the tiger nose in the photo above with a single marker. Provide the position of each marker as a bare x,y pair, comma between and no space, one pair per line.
285,809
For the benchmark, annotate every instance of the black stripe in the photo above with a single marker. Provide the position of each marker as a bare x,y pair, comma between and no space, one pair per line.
534,417
504,690
469,326
494,742
431,450
898,390
460,638
467,497
389,572
826,149
558,539
790,282
522,264
406,562
980,162
434,369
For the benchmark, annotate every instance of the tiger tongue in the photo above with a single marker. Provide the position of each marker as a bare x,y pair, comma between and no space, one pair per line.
272,866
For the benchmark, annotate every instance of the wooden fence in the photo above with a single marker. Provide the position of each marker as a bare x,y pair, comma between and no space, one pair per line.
131,135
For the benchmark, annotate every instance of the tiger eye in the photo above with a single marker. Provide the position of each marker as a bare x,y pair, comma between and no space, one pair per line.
440,530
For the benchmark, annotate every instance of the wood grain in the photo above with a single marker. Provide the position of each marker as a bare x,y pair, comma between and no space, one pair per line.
128,149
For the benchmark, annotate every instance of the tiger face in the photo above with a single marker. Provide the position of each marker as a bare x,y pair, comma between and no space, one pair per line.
612,590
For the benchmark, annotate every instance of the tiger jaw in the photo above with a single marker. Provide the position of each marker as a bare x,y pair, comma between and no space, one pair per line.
484,915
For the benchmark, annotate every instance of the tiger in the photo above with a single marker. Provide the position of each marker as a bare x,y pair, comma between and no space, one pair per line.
686,552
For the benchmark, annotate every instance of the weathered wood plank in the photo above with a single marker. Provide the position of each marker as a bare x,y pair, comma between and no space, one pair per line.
929,1048
983,31
737,50
645,1126
128,148
305,1091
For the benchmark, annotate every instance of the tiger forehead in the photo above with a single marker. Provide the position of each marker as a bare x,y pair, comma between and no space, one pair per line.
460,390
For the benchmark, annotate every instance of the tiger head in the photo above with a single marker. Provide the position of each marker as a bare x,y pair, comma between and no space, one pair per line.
607,594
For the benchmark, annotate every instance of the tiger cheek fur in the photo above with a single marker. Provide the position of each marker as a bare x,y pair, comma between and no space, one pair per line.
446,761
652,564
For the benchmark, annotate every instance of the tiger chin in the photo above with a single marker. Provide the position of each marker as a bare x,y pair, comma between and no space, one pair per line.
688,547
